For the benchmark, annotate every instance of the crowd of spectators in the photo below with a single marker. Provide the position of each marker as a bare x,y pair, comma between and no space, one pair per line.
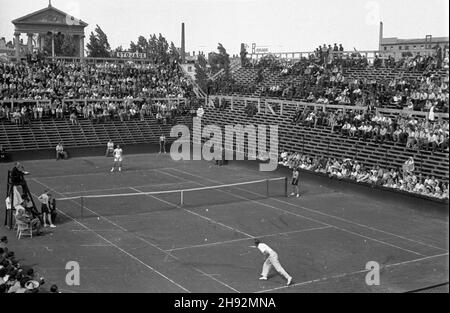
47,80
404,178
17,278
129,87
323,78
425,134
319,84
101,110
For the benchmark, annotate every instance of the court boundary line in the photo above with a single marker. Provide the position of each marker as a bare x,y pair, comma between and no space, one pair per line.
177,258
193,213
114,245
151,244
203,178
350,273
118,188
304,217
335,217
98,173
243,239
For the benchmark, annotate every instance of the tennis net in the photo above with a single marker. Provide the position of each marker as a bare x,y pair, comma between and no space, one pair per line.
139,201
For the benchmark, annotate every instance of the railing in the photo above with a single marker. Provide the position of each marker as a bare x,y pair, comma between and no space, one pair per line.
178,101
369,54
100,60
265,104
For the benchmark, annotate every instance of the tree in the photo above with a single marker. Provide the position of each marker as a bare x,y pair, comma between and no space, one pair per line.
174,53
64,44
141,46
244,60
201,76
98,45
68,47
220,61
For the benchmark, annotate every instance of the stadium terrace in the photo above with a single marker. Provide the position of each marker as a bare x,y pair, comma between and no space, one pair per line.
150,168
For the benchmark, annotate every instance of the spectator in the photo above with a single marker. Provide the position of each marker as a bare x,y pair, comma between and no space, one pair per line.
60,152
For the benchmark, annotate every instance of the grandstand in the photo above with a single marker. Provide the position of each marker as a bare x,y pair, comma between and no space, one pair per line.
370,135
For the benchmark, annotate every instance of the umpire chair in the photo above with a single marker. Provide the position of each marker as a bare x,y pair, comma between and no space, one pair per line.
9,214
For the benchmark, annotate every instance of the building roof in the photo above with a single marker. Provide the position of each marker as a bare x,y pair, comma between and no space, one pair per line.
395,40
49,16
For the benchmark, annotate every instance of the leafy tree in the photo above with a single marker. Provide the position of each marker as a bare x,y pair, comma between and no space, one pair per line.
64,45
201,76
245,62
220,61
141,46
98,45
68,47
174,53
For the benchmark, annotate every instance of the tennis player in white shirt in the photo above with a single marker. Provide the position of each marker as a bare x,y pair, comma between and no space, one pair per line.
118,158
271,260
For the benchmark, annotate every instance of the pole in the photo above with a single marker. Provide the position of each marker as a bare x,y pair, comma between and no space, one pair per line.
267,188
182,198
81,206
286,187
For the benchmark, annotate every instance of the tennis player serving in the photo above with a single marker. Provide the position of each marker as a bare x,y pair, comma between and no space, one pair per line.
271,260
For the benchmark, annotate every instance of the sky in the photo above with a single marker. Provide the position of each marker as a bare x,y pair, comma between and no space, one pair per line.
281,26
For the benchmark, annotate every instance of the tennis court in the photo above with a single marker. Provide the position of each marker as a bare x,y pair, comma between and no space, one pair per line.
148,242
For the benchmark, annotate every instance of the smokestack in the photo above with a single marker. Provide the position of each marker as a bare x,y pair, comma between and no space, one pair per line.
183,44
381,36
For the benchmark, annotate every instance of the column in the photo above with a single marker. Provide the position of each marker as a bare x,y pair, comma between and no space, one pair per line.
17,46
41,42
81,46
53,45
30,43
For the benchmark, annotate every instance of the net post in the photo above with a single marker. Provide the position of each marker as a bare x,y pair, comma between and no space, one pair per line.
182,198
286,187
81,206
267,188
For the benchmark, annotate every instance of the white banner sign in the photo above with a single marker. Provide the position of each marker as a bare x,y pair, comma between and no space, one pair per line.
131,55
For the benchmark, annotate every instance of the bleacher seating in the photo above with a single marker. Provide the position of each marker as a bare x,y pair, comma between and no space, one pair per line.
320,141
46,134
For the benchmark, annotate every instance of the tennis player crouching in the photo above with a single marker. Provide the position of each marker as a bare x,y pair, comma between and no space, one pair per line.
271,260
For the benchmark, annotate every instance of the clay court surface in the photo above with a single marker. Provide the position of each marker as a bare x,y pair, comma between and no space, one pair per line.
147,243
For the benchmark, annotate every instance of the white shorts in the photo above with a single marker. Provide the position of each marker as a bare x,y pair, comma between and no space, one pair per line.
118,159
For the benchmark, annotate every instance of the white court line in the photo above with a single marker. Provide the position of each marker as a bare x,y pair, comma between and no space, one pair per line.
349,274
299,215
176,258
339,218
114,245
196,214
118,188
102,173
243,239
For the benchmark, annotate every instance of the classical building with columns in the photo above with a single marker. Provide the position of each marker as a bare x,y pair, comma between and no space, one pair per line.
48,22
